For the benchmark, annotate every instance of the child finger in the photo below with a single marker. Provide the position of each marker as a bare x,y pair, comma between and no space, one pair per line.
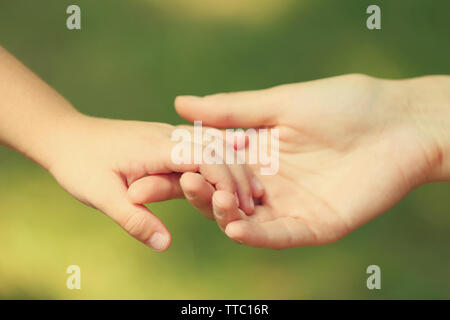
219,176
225,208
135,219
154,188
198,192
244,188
256,184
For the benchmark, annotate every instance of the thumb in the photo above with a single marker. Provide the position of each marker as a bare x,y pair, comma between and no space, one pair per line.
140,223
244,109
136,219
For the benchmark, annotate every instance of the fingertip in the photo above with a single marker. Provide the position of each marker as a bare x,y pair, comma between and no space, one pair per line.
240,140
140,223
198,192
252,205
186,98
257,187
224,200
160,241
247,205
183,102
225,209
191,182
236,230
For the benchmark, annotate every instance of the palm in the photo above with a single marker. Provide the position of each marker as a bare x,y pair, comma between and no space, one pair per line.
330,190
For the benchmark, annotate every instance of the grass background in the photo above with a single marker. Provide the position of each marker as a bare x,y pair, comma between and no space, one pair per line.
129,61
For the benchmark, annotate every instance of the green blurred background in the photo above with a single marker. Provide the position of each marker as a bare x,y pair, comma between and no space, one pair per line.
129,61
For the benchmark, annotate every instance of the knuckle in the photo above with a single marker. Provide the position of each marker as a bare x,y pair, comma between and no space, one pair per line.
135,225
226,186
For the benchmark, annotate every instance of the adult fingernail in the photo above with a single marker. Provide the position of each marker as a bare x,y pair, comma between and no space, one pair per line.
192,98
158,241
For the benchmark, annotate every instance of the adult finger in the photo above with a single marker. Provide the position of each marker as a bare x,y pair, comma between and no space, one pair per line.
224,110
280,233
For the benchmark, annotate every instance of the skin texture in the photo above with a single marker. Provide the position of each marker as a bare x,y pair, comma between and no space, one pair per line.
350,148
96,160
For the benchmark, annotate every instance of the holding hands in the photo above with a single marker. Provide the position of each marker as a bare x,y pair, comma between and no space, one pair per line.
349,148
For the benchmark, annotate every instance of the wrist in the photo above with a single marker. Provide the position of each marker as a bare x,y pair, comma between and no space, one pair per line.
428,101
53,136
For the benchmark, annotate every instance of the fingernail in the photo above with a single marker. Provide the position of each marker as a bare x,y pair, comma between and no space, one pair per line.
189,97
252,204
237,199
189,195
240,139
218,213
158,241
257,184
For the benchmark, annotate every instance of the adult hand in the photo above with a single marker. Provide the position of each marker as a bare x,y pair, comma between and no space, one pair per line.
350,148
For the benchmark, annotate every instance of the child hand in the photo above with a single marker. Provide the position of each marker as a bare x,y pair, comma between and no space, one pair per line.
96,160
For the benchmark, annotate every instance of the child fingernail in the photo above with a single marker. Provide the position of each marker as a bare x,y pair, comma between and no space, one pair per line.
237,199
252,204
218,212
257,184
158,241
189,195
